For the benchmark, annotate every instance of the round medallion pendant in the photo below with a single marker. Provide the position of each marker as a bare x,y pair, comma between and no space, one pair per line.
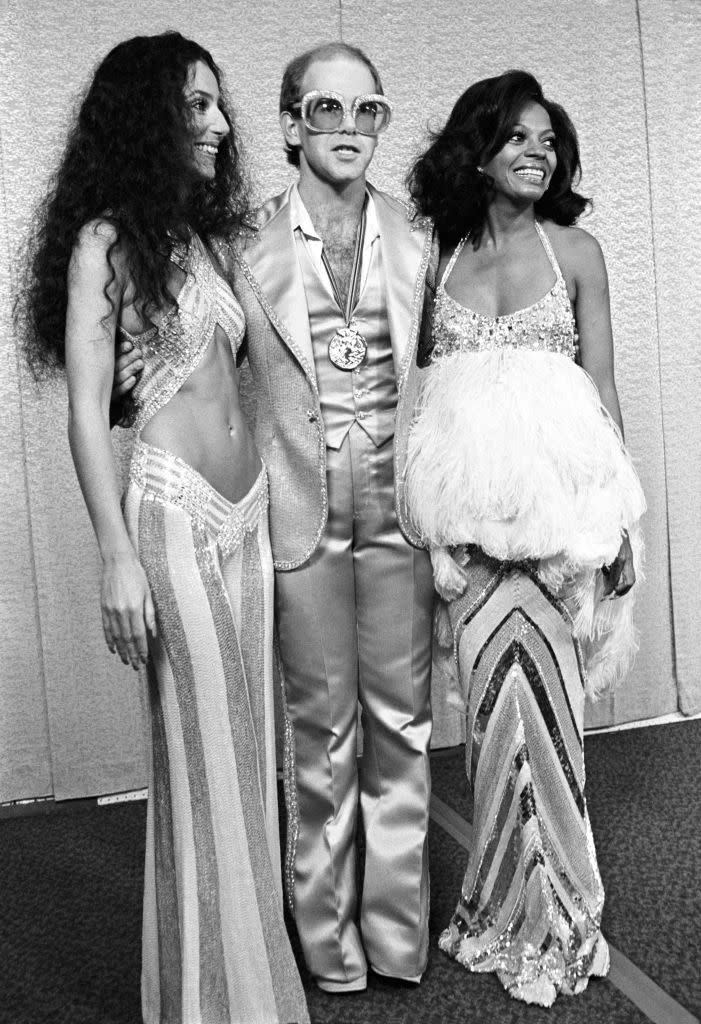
347,348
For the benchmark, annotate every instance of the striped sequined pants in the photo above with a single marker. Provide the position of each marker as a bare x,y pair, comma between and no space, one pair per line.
215,950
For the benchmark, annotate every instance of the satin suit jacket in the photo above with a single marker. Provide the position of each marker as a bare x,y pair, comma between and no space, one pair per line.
281,395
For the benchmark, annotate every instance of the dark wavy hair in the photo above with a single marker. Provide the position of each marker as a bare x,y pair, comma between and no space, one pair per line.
444,181
128,161
291,86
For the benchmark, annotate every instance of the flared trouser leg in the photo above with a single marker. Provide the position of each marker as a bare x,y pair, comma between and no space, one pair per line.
215,949
354,625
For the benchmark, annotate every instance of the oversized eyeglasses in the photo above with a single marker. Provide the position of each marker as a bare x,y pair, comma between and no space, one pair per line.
324,111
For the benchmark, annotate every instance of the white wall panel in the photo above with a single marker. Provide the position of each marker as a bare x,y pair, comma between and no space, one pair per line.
25,758
671,35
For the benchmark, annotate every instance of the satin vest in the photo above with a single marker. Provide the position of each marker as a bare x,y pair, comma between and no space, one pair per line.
367,395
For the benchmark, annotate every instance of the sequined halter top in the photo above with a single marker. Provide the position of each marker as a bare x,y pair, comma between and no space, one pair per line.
547,325
173,349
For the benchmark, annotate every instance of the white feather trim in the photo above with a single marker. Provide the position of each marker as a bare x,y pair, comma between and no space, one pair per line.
513,451
603,625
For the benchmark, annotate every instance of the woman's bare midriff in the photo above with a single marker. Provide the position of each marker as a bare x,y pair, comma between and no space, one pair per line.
204,426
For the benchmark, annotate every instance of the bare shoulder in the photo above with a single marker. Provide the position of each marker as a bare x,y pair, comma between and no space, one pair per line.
96,237
97,254
577,251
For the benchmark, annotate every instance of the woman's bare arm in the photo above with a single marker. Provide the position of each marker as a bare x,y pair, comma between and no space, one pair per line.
593,315
91,322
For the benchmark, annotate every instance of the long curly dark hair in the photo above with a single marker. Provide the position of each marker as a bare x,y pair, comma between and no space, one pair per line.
445,183
128,160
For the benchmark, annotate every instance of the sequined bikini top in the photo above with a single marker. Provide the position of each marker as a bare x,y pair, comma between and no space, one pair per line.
173,349
548,325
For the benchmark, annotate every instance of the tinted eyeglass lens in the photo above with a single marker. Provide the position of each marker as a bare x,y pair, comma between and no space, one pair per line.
371,117
325,114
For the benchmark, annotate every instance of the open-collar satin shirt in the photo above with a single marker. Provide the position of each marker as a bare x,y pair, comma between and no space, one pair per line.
306,234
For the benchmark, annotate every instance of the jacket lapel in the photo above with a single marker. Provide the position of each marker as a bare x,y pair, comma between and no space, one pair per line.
269,263
406,249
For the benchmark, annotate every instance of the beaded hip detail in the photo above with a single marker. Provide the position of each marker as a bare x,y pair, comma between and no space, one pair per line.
164,477
547,325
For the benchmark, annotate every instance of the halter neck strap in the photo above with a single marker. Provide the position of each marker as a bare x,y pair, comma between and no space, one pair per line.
545,241
549,252
452,261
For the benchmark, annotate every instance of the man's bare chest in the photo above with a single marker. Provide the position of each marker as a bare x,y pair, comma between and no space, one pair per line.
340,239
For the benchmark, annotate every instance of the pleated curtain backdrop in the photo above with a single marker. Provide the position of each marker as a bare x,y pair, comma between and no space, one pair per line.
72,719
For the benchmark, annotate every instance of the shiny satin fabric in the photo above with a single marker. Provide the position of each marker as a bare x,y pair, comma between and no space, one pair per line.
270,259
354,625
367,394
283,394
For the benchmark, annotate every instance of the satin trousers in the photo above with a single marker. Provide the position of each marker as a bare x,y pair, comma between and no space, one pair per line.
354,627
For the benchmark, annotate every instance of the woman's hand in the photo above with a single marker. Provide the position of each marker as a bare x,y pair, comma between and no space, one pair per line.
127,608
449,579
96,288
619,576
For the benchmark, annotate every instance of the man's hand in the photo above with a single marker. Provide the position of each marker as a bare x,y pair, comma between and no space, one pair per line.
127,368
449,578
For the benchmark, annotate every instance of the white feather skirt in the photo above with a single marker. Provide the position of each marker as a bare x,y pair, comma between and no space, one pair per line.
513,451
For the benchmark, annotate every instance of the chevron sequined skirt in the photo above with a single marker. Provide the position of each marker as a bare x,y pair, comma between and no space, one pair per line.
215,949
532,897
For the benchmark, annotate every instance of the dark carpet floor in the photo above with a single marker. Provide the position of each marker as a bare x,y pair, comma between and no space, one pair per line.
70,910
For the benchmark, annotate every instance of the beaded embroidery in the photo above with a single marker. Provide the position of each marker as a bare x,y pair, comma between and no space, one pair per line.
289,781
166,478
172,350
547,325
